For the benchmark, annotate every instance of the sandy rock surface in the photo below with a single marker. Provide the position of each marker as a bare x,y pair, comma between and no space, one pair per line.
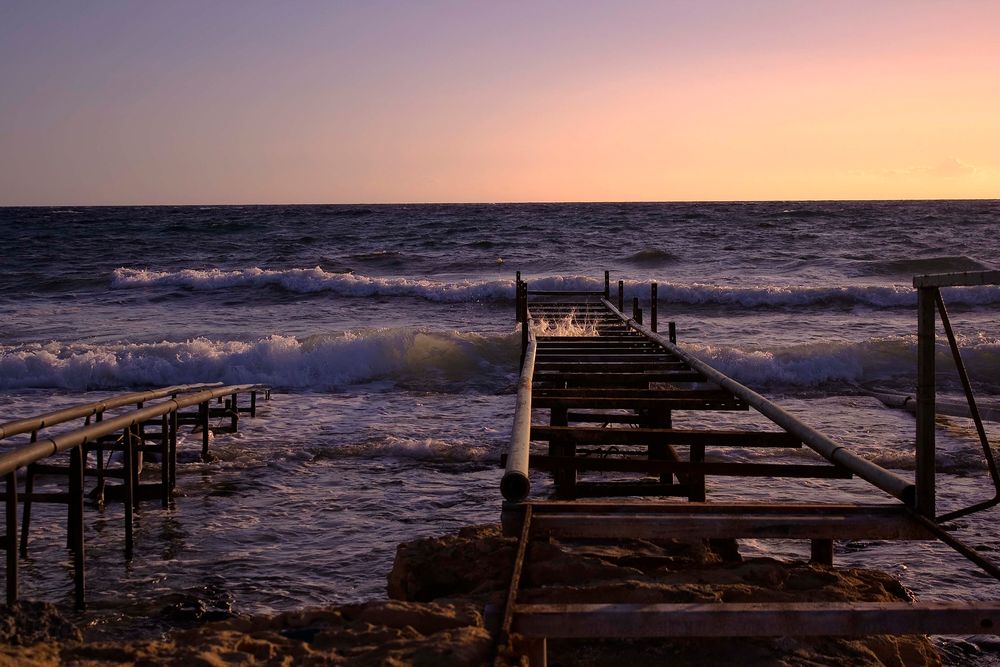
439,586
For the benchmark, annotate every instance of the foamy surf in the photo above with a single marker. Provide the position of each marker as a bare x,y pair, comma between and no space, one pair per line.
432,360
314,280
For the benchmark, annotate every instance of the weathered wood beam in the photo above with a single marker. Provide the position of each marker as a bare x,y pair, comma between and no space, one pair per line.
799,619
621,464
790,525
640,436
637,403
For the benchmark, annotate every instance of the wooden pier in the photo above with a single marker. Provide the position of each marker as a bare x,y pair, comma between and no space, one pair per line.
614,393
144,423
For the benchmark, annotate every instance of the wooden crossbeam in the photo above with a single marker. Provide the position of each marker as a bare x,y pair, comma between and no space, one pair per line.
637,403
798,619
617,379
707,394
640,436
645,465
609,367
787,525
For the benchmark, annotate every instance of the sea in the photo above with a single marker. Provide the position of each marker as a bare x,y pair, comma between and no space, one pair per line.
387,334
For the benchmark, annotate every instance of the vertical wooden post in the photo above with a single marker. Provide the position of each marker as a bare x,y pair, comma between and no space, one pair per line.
925,444
128,461
234,417
76,469
821,552
203,412
11,537
635,308
564,478
165,461
621,296
524,321
517,297
174,423
607,284
672,332
29,488
253,404
652,306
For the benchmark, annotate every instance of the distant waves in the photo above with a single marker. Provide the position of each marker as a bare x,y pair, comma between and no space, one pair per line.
313,280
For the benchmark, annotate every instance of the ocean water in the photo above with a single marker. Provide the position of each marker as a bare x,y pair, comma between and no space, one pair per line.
388,335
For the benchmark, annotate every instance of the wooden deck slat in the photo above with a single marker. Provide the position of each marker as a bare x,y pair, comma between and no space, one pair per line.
848,526
646,465
587,621
636,403
638,436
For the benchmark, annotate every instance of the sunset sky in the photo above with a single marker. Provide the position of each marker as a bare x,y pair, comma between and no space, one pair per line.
179,102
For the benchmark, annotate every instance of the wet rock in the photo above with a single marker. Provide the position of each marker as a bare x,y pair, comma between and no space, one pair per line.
26,623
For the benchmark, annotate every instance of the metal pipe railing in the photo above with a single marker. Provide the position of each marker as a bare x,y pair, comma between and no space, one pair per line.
883,479
45,447
515,484
38,422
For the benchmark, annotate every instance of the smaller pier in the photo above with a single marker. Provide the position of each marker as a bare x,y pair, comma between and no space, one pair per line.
613,394
148,426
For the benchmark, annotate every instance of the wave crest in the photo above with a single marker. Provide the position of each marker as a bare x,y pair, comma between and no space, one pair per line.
424,360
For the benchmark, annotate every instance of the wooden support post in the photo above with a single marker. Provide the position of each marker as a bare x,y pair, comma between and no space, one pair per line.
821,552
652,306
925,444
172,459
10,540
635,308
76,469
29,488
127,460
607,284
696,480
165,461
672,332
253,404
234,418
621,296
565,479
203,412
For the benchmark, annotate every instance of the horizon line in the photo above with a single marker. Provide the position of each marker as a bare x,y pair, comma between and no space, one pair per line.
511,202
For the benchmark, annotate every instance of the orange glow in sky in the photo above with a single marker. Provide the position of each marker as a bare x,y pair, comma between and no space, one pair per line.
316,102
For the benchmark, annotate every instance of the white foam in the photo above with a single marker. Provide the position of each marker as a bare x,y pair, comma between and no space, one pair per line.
449,361
356,285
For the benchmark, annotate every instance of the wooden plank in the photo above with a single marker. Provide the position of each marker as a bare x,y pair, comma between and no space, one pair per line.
609,367
799,619
622,464
963,279
894,510
582,434
613,379
707,394
790,525
636,403
578,357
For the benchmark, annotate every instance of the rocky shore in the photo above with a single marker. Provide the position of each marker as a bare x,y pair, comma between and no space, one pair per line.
439,586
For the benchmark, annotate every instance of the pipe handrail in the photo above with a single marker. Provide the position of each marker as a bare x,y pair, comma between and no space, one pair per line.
515,484
38,422
552,292
36,451
881,478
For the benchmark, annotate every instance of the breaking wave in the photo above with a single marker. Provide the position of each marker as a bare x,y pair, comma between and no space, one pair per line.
809,365
306,281
422,360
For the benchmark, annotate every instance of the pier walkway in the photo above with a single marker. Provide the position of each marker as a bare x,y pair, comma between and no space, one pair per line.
608,399
115,434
